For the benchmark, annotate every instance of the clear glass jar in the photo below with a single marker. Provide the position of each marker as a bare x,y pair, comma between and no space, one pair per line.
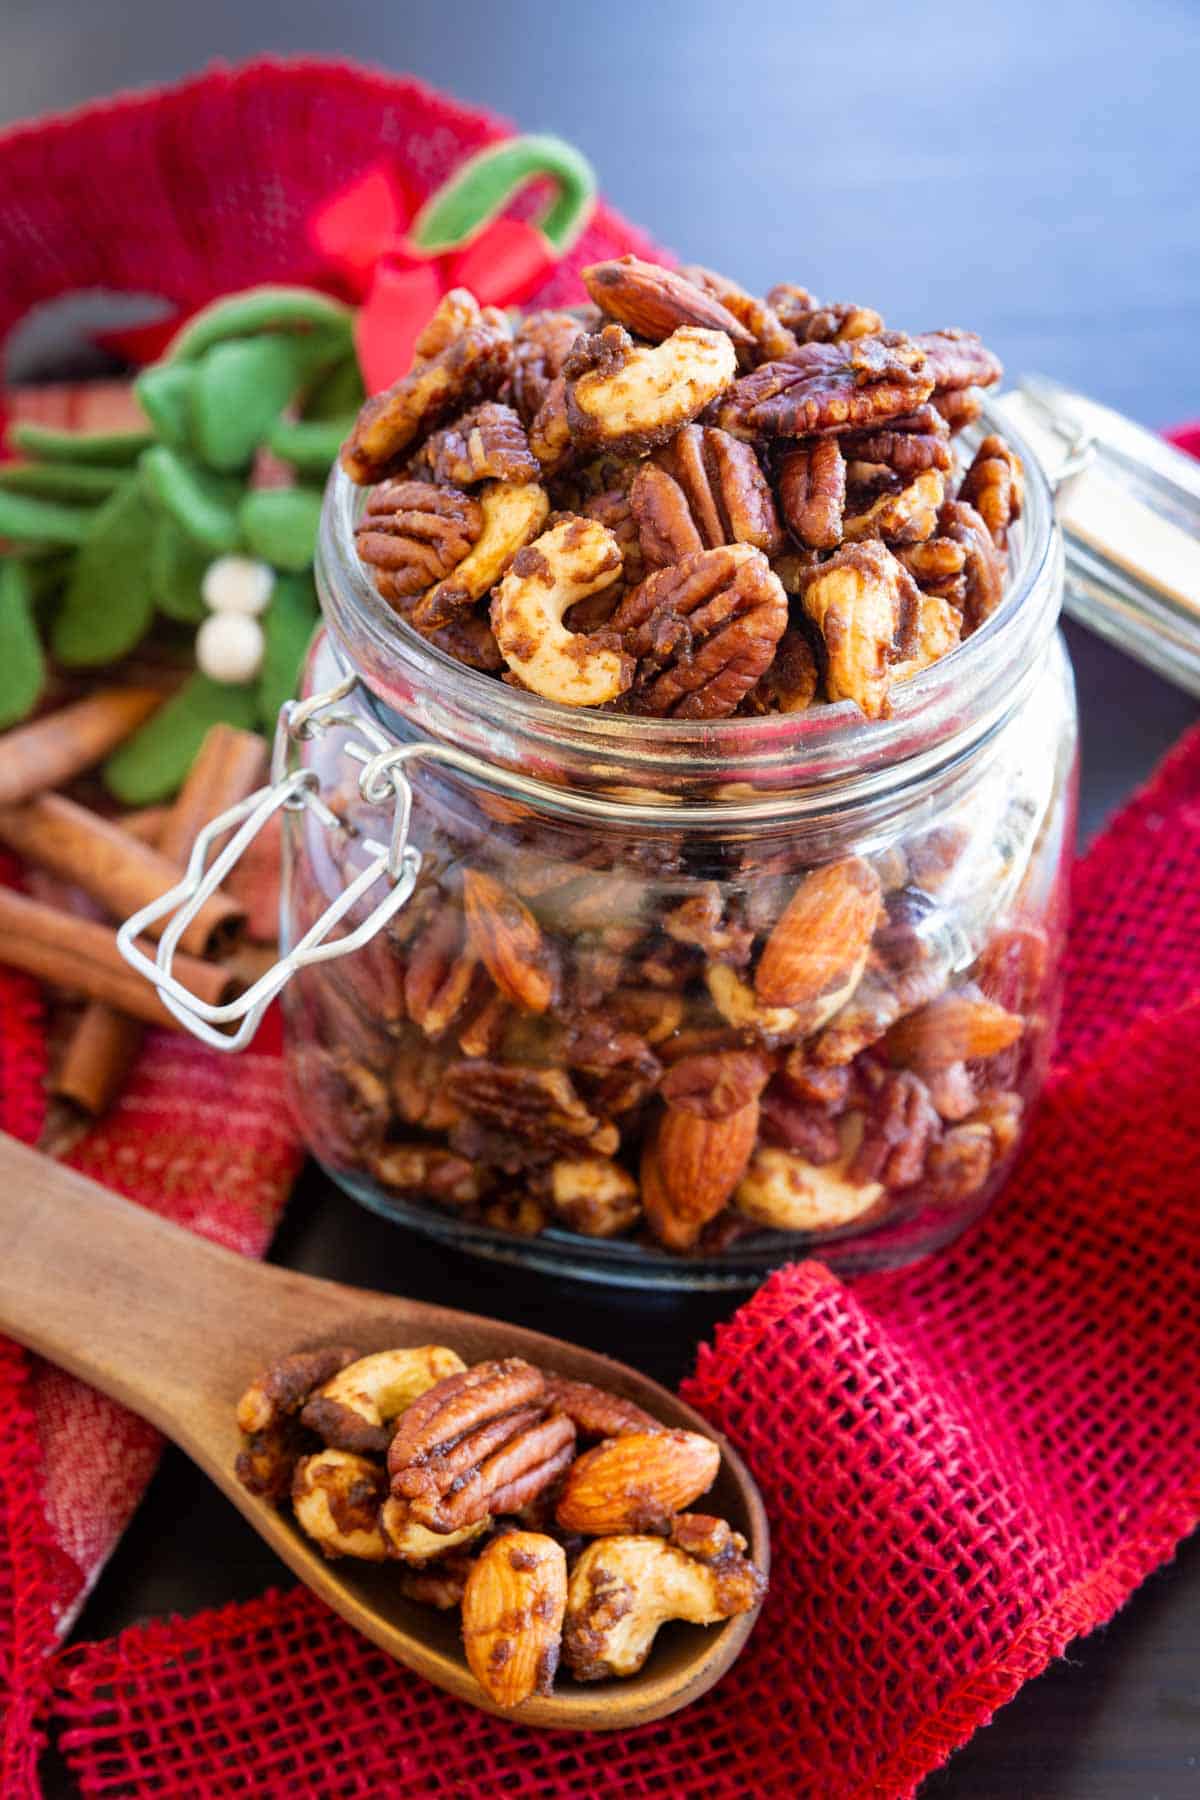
561,1049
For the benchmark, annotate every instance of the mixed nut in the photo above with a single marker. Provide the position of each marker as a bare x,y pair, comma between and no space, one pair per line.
687,502
472,1480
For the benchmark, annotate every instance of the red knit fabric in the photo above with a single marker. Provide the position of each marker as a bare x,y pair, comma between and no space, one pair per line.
965,1464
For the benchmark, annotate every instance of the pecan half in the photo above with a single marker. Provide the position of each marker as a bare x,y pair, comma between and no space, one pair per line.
596,1412
508,942
622,395
939,630
791,682
812,492
983,564
540,1107
715,1084
866,606
463,356
771,336
412,534
901,1125
995,486
958,359
830,387
959,407
904,518
541,346
442,975
937,566
702,632
907,446
432,1174
704,488
486,444
283,1389
813,323
700,921
654,301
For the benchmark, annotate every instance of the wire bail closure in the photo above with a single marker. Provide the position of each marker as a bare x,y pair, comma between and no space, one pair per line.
382,777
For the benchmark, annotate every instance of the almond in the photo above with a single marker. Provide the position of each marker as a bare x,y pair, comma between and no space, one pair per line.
690,1168
636,1482
653,301
512,1615
820,940
958,1027
508,941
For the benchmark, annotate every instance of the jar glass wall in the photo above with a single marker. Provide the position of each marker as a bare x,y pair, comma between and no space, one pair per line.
670,1002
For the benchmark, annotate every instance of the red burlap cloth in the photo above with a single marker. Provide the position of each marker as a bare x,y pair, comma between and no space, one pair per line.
965,1464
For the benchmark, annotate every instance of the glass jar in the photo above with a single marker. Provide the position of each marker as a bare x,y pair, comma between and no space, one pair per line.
670,1002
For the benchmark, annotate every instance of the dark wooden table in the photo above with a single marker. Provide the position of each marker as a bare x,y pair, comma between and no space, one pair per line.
1027,170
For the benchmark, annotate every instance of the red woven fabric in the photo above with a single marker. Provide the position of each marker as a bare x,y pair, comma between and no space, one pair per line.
965,1464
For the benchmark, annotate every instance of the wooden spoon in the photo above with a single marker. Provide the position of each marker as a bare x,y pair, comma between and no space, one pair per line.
174,1327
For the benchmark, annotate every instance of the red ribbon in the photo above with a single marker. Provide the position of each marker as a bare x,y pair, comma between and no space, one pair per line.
361,234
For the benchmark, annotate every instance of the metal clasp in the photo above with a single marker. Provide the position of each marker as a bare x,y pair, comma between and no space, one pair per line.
382,776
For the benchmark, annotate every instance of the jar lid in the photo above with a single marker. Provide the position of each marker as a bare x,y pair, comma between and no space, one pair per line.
1129,507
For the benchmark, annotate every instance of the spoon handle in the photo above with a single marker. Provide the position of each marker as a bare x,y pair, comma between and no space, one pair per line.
148,1312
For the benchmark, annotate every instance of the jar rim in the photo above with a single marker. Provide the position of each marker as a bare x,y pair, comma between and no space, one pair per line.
742,767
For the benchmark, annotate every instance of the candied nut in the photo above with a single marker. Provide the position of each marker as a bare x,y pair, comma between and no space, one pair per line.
700,921
613,509
336,1498
995,486
959,1027
440,1584
771,337
594,1195
509,942
790,683
411,1542
653,301
716,1084
636,1481
512,1616
623,1588
467,357
959,407
596,1412
736,1002
511,515
825,1087
1011,968
651,1014
550,430
517,1215
622,395
908,517
812,323
412,533
486,444
702,631
830,387
348,1101
957,359
689,1169
703,489
478,1443
952,1091
541,346
907,446
961,1163
282,1390
709,1540
540,1106
267,1459
432,1173
1001,1113
442,974
817,951
983,564
789,1193
812,492
573,559
881,997
864,604
418,1093
901,1125
353,1409
939,630
805,1126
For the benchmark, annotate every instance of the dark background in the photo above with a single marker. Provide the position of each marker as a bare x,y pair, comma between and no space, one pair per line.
1028,170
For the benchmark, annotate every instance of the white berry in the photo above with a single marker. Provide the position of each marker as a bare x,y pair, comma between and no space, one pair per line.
229,647
238,584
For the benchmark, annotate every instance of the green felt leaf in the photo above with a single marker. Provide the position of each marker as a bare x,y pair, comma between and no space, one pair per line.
483,185
118,448
165,392
202,504
312,445
47,572
287,627
280,525
177,567
240,389
36,521
336,395
60,481
109,601
264,309
150,765
22,664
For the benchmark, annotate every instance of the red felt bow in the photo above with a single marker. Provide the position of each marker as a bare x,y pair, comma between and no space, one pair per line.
361,234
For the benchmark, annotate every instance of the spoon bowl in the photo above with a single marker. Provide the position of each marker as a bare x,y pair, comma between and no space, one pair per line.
174,1327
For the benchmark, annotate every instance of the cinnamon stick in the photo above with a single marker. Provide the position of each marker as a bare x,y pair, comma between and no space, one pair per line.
117,870
97,1058
59,745
229,765
145,824
83,958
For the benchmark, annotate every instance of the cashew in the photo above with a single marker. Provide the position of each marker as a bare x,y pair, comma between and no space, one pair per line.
737,1003
337,1498
594,1195
623,1588
512,513
577,557
939,632
353,1410
415,1543
784,1190
655,390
